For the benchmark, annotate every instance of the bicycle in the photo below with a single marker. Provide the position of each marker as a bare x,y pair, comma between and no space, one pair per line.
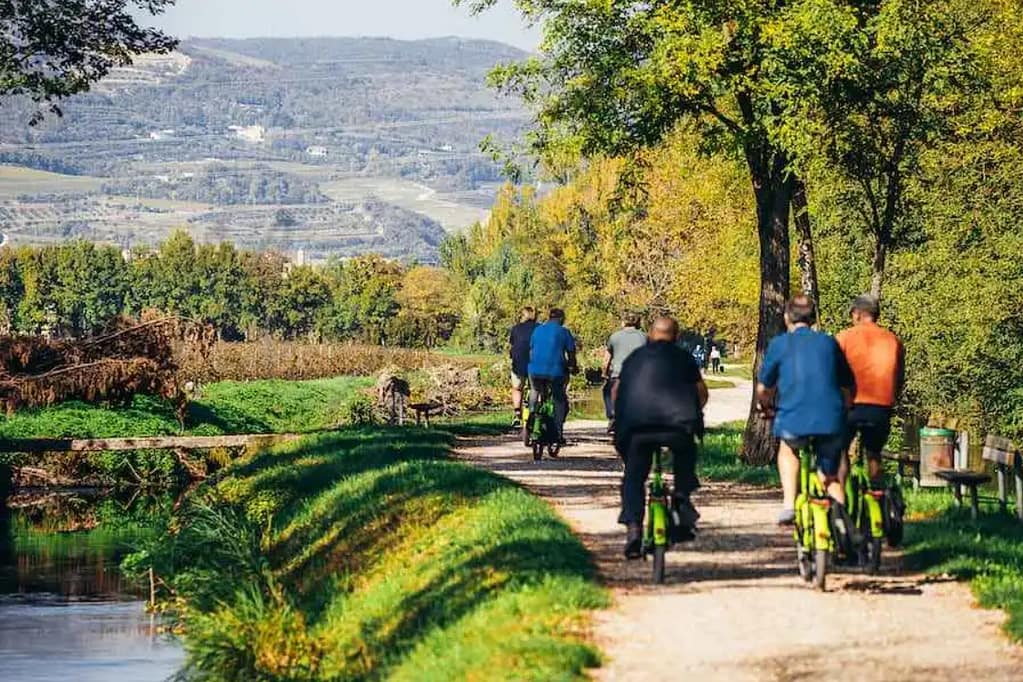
813,534
658,519
539,430
876,513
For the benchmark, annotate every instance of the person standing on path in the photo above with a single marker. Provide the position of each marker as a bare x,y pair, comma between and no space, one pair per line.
552,358
809,373
518,340
877,359
715,359
659,401
620,346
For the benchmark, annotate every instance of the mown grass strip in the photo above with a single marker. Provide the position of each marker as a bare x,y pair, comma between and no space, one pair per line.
367,554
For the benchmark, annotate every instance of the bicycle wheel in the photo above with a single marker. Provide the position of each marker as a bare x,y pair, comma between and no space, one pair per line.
660,557
553,450
894,508
820,569
804,563
873,555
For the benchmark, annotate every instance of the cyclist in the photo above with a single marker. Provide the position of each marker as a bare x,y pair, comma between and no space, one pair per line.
811,377
620,346
551,358
659,402
518,340
877,359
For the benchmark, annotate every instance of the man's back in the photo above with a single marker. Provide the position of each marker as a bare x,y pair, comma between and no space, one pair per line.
875,356
520,337
658,390
548,346
621,345
809,371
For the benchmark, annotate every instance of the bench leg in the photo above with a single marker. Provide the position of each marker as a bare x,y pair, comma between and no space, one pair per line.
957,491
427,417
419,417
1003,493
974,503
1019,494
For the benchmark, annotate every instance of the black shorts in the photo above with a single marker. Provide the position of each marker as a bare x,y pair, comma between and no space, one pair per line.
873,424
827,449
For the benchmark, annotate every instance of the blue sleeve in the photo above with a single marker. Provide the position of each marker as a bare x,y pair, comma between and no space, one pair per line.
569,341
772,362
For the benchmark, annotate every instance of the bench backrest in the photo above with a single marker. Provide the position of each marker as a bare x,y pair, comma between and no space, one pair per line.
1000,450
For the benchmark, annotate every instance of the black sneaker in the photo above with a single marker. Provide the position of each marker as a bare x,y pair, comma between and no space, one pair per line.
633,541
611,428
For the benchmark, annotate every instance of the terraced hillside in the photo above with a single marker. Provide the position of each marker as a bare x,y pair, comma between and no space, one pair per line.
330,146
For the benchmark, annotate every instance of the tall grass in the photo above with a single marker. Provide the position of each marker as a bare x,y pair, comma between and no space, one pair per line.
367,554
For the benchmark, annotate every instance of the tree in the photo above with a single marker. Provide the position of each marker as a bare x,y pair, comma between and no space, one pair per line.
429,305
892,81
363,298
52,50
619,75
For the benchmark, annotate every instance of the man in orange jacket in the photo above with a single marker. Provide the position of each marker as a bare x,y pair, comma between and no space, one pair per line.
877,359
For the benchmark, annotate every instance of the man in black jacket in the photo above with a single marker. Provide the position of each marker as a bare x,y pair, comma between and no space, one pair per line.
659,403
518,339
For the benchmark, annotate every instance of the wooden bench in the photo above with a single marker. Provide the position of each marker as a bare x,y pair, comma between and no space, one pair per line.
905,459
958,478
424,410
1008,461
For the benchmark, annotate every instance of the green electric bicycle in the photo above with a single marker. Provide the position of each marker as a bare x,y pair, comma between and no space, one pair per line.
539,430
876,514
814,534
662,519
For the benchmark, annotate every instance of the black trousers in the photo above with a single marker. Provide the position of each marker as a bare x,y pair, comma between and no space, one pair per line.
639,457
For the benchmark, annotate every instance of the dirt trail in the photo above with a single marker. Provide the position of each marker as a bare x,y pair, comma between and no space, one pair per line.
733,608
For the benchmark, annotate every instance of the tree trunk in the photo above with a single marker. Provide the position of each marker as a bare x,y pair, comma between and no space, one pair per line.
877,267
807,256
774,201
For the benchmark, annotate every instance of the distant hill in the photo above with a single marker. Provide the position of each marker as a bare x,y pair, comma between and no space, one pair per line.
356,121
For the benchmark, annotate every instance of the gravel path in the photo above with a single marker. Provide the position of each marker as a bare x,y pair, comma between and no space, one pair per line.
733,607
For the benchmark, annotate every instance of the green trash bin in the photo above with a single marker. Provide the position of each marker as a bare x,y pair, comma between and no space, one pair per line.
937,452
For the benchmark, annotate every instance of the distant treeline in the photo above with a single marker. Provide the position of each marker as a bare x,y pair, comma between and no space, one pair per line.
220,184
79,289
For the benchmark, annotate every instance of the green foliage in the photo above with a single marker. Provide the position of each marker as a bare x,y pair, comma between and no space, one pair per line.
80,41
365,554
359,412
718,459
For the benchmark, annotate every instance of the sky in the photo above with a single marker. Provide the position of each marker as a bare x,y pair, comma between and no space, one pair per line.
407,19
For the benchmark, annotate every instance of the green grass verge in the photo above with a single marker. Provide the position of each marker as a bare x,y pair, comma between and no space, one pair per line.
719,459
987,552
367,554
226,407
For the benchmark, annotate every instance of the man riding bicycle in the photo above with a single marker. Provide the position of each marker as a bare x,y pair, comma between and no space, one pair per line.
812,379
551,358
877,360
518,339
659,400
620,346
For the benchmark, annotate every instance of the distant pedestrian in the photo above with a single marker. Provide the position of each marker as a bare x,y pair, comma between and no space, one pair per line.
620,346
715,360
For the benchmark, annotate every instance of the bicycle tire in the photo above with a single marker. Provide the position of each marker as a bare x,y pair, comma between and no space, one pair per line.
660,559
804,564
820,569
873,563
553,450
894,508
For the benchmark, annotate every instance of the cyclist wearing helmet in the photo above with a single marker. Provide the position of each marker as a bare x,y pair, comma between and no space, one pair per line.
812,379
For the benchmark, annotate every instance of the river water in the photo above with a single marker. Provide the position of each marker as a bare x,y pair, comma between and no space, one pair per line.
66,612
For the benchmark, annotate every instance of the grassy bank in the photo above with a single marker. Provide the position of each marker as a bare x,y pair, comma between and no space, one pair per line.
367,554
987,552
226,407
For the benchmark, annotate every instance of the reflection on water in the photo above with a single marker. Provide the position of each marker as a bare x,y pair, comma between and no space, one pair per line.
84,642
66,611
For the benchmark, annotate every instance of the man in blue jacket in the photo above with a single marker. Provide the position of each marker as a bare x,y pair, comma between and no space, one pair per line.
806,375
551,359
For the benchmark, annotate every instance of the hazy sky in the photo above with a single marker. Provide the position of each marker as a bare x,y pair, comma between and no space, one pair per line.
393,18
